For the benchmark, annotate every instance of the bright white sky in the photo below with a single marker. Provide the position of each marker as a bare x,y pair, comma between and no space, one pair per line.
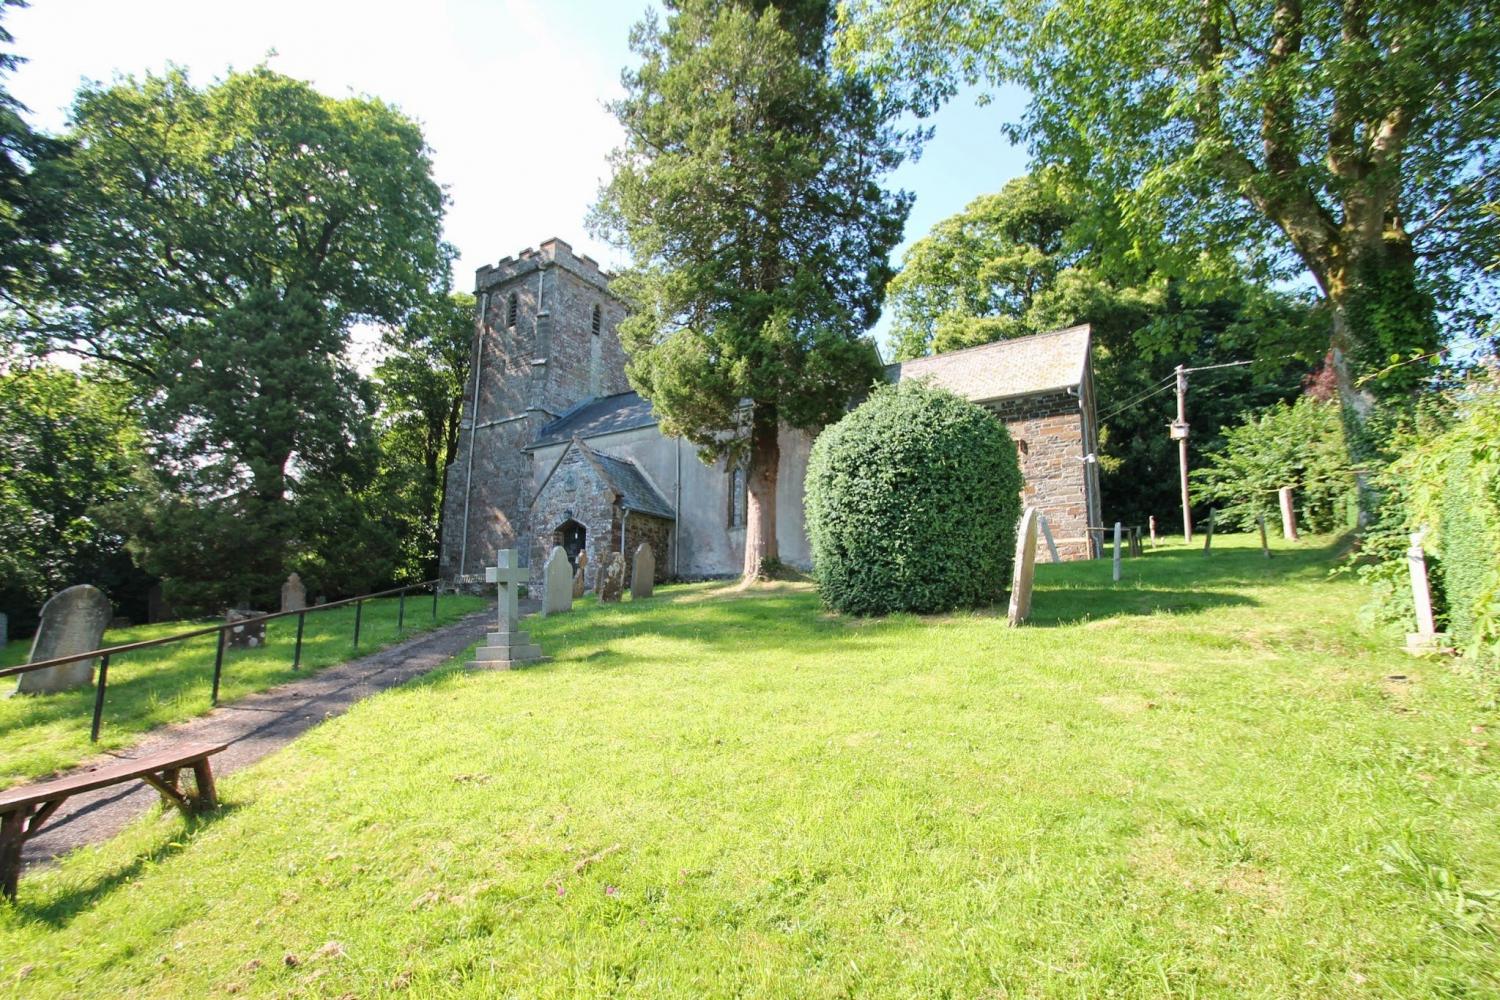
510,94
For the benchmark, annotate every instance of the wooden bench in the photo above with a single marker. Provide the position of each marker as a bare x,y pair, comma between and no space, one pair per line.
23,810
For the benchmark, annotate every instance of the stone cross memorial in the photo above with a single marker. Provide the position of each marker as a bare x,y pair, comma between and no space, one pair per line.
1023,575
557,583
580,578
642,572
509,646
73,621
293,594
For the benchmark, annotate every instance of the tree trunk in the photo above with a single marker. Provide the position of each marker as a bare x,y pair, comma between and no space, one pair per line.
1358,403
760,512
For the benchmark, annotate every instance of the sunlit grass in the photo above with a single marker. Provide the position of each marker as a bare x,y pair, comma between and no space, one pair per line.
43,733
1204,781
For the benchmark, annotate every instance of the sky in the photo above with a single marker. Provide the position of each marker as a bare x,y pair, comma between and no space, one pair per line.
511,95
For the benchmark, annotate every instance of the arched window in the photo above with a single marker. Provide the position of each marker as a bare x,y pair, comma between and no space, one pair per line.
510,310
598,320
739,498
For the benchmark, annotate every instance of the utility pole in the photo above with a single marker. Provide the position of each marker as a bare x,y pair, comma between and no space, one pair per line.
1180,435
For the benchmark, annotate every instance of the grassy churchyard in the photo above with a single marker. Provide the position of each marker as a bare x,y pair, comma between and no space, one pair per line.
1206,780
165,684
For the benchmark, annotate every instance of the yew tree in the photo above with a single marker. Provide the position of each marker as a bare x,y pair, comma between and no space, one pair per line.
748,193
1357,137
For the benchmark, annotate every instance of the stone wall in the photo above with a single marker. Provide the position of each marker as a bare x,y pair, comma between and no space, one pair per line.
574,492
1049,431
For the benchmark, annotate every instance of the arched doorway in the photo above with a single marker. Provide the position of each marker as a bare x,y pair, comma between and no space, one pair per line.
572,536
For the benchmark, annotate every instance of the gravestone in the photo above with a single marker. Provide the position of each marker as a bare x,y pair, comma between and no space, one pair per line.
508,646
1288,514
1117,551
580,581
1426,639
1151,523
251,636
1023,575
1208,537
293,594
611,578
557,583
1265,545
73,621
1041,520
642,572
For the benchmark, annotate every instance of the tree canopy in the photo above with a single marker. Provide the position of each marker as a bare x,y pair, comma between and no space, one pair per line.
748,194
1356,138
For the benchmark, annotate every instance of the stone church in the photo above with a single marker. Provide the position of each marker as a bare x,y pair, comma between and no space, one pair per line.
555,449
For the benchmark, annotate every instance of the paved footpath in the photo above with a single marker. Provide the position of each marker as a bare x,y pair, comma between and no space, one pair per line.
254,726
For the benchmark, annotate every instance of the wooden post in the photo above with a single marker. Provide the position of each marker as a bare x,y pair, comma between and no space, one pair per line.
1152,522
1117,551
1265,546
1288,514
1208,538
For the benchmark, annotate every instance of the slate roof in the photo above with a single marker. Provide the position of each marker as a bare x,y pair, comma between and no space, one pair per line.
625,478
623,411
1007,368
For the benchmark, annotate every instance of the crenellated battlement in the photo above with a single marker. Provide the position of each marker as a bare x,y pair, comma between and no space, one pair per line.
553,252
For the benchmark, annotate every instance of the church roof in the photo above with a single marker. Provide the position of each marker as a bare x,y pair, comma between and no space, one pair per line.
623,411
1007,368
625,478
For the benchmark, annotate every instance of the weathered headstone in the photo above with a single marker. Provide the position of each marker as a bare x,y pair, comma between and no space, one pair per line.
557,583
1117,551
293,594
1265,545
1023,573
642,572
1288,514
611,578
1041,520
251,636
1426,639
580,579
1208,536
1151,521
508,646
73,621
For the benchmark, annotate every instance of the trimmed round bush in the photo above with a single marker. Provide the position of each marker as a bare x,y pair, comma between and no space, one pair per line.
912,504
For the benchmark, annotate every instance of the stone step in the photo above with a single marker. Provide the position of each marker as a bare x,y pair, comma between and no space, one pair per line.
518,652
507,639
506,664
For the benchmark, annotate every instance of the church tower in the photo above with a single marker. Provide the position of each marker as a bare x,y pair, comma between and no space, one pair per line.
545,340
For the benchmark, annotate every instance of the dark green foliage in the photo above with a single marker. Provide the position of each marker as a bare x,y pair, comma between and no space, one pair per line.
912,504
26,217
68,450
1299,445
1469,549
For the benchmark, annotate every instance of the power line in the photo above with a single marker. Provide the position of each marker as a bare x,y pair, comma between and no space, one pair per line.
1128,404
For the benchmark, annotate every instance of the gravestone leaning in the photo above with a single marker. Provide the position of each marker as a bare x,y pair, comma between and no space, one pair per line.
611,578
73,621
557,583
580,580
293,594
643,572
1024,573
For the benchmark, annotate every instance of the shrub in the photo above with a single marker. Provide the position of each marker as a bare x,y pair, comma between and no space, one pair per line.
1302,446
912,504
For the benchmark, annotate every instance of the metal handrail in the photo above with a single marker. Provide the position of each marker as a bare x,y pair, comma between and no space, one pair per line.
104,654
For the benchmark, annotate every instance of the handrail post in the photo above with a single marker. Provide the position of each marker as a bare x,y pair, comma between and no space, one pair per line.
401,612
99,697
359,607
218,665
297,656
436,586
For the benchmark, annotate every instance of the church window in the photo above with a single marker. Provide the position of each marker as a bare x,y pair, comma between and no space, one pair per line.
510,310
739,495
598,320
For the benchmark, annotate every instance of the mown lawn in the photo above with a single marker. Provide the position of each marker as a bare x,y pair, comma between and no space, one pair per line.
40,734
1205,781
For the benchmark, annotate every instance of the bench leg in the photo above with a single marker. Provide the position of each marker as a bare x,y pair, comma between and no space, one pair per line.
203,777
12,837
169,778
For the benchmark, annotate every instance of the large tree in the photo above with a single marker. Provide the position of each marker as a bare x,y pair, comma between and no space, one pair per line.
420,384
218,245
1360,136
748,193
25,219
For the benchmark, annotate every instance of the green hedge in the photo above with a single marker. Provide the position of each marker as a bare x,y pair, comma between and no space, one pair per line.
912,504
